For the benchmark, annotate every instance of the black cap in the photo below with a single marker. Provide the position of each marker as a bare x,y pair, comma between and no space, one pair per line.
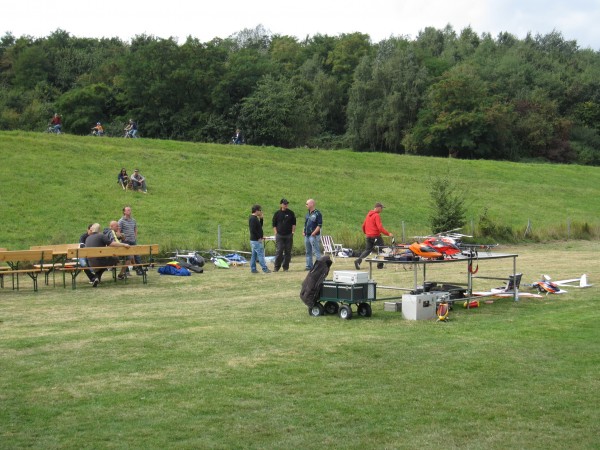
284,201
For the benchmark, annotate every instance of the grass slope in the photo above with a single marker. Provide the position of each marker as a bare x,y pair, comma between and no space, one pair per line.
54,186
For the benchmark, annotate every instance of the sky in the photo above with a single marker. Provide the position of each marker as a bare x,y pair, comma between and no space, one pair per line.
575,19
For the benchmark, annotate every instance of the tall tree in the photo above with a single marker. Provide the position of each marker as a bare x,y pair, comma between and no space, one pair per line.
278,113
385,98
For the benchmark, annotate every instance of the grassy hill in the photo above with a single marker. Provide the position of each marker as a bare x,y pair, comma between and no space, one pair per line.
54,186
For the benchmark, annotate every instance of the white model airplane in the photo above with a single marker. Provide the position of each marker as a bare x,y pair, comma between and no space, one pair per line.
581,282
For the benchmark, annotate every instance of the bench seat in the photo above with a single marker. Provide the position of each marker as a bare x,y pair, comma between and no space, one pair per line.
23,262
148,251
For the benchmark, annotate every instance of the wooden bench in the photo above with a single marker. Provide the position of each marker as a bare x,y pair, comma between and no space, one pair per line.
23,262
149,251
59,259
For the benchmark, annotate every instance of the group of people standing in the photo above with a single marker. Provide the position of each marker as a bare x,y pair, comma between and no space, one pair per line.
137,181
121,233
284,228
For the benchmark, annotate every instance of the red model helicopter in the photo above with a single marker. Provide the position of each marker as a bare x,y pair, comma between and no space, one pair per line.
449,243
443,244
425,251
412,252
446,243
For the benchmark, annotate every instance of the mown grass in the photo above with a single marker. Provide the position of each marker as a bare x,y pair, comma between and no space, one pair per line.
54,186
227,359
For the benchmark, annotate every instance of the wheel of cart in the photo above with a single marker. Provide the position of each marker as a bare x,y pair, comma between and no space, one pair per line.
364,310
316,310
345,312
331,307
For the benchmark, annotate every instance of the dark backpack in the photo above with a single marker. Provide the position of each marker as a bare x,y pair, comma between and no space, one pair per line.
311,286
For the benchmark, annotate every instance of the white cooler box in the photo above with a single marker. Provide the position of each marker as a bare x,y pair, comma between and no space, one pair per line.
350,277
419,307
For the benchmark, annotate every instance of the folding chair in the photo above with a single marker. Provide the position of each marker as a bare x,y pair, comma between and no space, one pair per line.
330,247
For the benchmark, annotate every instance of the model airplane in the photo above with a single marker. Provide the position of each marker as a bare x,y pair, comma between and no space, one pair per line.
507,290
555,287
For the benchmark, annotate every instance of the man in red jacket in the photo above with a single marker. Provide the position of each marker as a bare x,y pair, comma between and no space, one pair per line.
373,229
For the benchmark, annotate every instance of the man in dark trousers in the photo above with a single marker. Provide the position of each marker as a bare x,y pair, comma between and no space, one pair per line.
99,239
284,226
373,229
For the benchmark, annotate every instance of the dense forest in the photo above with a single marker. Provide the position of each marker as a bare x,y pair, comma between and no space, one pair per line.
443,93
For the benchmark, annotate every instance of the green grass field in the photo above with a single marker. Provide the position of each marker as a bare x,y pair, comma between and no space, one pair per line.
227,359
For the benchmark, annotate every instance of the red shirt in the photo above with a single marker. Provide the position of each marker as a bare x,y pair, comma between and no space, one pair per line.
372,225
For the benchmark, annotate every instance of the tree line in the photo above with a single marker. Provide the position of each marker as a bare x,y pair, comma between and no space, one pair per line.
443,93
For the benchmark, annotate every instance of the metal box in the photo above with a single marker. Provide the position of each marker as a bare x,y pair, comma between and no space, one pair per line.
392,306
350,277
351,293
418,307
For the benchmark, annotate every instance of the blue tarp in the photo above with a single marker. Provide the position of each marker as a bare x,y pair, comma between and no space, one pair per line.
234,257
172,270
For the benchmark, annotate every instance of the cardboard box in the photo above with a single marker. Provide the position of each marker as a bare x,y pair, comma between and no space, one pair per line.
350,277
392,306
418,307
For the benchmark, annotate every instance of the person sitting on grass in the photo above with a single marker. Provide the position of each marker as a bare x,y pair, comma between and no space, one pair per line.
139,181
123,178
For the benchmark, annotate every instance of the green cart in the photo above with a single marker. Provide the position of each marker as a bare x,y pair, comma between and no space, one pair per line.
339,298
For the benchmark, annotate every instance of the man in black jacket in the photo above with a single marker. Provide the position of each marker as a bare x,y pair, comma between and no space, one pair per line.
284,226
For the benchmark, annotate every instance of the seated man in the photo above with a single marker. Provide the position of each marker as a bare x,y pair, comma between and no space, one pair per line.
83,261
114,234
99,239
139,181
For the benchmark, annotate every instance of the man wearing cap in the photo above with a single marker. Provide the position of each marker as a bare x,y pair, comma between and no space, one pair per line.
284,226
373,229
138,181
